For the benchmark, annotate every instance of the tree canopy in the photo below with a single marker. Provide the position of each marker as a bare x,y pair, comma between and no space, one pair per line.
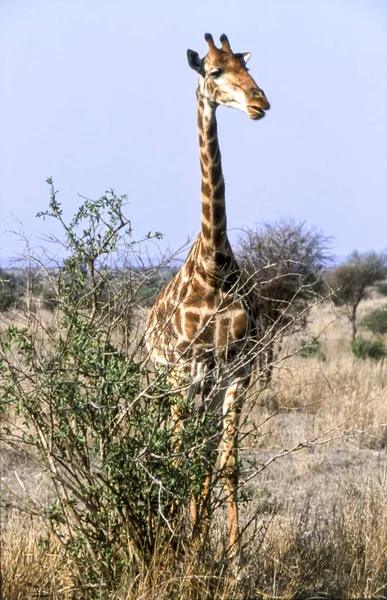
350,280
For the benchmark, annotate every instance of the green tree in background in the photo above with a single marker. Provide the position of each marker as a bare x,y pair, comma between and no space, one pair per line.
350,281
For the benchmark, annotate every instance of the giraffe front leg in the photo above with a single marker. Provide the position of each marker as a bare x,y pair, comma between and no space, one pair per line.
232,407
183,392
209,401
177,379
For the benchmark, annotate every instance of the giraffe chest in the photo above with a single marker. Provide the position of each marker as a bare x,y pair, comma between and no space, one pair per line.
212,321
192,318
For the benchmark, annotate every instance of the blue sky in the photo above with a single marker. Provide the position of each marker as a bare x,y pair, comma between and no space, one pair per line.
98,94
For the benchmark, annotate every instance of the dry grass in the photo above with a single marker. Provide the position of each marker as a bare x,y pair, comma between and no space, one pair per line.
31,565
320,513
334,396
336,550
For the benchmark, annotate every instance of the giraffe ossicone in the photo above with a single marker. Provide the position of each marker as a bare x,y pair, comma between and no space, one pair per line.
205,315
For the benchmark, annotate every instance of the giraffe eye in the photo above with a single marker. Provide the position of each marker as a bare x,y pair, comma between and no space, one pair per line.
215,73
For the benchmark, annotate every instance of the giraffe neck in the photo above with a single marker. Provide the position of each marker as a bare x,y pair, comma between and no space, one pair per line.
214,222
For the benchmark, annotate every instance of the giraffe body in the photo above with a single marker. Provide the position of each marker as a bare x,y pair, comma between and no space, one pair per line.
197,312
205,315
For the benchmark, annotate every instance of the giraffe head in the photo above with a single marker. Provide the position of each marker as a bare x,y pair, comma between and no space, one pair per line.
224,78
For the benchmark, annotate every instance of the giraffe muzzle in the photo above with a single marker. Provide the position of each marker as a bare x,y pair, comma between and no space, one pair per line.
258,104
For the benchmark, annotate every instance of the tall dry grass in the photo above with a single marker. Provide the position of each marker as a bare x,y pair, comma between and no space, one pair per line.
31,565
334,396
333,551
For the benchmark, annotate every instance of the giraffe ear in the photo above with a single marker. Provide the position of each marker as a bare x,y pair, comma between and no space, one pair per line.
195,62
244,56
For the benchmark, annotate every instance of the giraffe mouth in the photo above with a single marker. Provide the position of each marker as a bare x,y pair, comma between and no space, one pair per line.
255,112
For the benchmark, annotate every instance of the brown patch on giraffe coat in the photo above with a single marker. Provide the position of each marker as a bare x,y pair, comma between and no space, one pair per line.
207,334
218,193
239,325
184,289
206,231
211,301
206,189
192,317
206,211
189,268
192,323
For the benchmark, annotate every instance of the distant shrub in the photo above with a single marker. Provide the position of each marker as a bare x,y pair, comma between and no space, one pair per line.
10,291
311,349
284,261
363,348
382,288
376,321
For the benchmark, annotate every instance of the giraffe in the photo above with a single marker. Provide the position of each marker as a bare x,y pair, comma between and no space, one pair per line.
204,318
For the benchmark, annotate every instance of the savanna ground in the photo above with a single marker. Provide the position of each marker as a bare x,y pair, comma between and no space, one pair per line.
318,503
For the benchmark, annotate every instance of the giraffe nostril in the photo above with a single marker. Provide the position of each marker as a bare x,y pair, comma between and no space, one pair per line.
259,97
257,93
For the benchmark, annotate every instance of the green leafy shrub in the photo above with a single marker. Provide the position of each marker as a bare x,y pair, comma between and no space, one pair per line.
122,472
363,348
376,321
311,349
